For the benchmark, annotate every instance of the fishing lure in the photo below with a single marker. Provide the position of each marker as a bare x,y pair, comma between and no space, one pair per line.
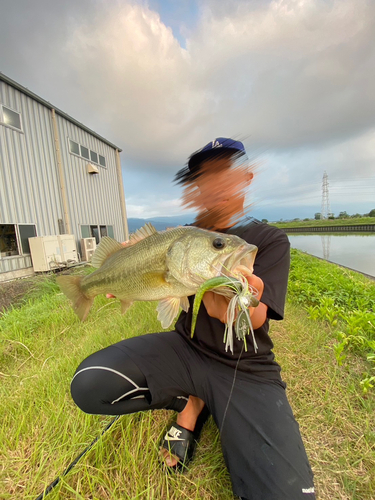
242,296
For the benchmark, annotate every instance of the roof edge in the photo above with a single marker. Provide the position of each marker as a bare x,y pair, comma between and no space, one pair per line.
48,105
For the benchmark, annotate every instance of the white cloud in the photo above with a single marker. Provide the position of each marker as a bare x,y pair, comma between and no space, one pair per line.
294,178
287,73
291,73
142,80
292,77
153,207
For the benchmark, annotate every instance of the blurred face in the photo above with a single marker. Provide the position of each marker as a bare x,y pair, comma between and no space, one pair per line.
219,193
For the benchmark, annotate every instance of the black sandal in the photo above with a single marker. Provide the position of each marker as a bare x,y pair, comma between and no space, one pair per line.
182,443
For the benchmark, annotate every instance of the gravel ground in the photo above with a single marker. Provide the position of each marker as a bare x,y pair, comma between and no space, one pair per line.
12,292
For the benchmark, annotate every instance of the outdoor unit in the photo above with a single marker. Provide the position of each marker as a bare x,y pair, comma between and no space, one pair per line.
68,248
45,253
88,246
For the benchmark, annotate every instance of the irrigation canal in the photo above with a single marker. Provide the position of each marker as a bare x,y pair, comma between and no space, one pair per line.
353,250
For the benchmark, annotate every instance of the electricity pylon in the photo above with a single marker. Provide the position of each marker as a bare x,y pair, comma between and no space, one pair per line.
325,211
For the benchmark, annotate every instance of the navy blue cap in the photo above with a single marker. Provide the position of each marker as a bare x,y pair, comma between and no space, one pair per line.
218,147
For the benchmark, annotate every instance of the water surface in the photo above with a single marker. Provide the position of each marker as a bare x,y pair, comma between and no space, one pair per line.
356,251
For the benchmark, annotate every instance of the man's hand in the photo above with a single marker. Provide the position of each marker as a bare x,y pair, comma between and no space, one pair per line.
217,305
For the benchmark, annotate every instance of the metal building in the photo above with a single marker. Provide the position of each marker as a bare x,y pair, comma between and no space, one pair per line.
56,177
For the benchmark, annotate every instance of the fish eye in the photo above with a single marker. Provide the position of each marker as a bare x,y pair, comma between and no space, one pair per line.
218,243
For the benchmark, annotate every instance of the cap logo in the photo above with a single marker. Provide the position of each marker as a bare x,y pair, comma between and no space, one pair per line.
216,144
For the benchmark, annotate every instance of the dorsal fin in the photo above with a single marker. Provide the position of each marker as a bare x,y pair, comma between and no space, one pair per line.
106,248
142,233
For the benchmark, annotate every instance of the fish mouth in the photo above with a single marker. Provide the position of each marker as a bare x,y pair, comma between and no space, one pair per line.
240,261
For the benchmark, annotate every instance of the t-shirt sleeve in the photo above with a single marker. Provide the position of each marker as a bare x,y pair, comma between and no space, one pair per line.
272,266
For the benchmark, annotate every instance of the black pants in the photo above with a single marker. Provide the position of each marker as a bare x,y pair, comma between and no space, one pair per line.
261,442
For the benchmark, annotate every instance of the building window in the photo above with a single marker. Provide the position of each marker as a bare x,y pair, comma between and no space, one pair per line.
26,231
111,234
11,118
85,232
96,232
94,156
8,240
74,147
102,160
14,239
103,231
85,153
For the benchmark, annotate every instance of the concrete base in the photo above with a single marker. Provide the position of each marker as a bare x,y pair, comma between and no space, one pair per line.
19,273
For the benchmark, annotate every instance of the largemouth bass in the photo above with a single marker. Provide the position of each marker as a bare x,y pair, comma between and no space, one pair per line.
168,266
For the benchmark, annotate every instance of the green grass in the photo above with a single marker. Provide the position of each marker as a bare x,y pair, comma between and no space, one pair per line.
336,419
42,431
325,222
342,298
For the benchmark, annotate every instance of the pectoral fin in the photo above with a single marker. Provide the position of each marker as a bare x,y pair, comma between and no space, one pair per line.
184,303
125,304
167,310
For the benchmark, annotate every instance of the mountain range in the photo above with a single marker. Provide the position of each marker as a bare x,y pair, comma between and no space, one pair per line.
160,223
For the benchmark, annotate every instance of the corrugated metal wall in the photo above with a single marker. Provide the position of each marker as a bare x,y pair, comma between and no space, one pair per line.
29,190
93,199
29,182
14,263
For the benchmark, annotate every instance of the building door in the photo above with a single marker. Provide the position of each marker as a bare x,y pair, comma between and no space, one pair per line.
95,233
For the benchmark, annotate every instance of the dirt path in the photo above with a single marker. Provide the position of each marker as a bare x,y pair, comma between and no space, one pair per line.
12,292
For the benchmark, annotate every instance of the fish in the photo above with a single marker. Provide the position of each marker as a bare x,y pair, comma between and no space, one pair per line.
167,266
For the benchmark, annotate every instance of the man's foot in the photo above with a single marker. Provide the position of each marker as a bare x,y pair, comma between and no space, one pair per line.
187,419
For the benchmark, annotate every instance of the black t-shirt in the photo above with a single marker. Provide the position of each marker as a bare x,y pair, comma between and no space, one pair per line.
272,266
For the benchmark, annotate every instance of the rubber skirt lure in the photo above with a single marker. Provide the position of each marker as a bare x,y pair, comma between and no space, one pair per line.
241,298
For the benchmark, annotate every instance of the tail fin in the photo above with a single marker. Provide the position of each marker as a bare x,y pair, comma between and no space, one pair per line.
71,286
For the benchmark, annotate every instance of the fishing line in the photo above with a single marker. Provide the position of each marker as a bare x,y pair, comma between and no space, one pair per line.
231,390
70,467
254,292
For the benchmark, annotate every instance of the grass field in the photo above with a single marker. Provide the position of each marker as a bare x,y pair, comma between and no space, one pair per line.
325,222
42,431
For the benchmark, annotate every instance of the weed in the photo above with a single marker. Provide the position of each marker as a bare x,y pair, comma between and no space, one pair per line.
342,298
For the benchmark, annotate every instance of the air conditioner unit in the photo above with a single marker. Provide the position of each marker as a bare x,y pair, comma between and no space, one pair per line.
89,255
68,248
45,253
88,246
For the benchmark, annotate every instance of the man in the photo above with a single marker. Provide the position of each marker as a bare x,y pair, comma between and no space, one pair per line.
243,390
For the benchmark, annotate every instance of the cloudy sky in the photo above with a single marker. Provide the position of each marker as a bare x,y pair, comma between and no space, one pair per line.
293,79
